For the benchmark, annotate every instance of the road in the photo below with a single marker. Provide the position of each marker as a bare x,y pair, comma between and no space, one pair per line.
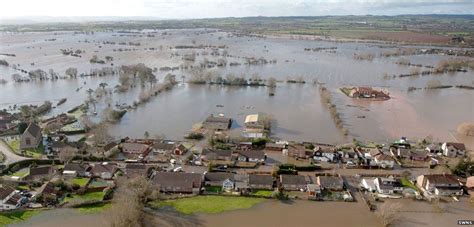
10,156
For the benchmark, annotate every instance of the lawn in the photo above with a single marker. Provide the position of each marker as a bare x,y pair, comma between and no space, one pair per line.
215,189
90,196
16,216
34,153
93,209
266,193
407,184
208,204
20,173
80,181
14,145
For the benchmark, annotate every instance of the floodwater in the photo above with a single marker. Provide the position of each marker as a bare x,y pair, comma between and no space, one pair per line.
296,109
275,213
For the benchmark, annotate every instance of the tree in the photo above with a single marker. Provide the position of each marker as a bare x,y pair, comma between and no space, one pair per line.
101,134
103,85
146,135
71,72
129,202
67,154
389,212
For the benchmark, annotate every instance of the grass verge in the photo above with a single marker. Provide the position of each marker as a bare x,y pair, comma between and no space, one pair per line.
16,216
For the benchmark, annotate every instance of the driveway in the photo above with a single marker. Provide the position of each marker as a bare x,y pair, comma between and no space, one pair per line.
10,156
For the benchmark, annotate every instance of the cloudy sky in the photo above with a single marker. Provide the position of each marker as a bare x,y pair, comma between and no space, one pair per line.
178,9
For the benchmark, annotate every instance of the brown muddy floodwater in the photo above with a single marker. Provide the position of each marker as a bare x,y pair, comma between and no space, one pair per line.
296,109
276,214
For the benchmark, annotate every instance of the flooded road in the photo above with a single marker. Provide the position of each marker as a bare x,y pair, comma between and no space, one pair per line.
296,108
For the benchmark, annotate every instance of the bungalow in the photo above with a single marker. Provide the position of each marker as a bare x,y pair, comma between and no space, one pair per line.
388,185
453,149
40,173
104,170
218,123
135,170
241,182
419,155
76,170
275,147
367,92
384,161
216,154
46,193
31,137
297,151
178,182
251,156
163,147
260,181
440,184
293,182
224,180
10,198
331,183
255,121
58,146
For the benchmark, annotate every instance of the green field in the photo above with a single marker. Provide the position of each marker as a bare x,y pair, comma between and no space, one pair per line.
90,196
80,181
16,216
208,204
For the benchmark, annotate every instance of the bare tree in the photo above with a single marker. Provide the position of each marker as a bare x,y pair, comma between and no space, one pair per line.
129,201
67,154
71,72
389,212
101,134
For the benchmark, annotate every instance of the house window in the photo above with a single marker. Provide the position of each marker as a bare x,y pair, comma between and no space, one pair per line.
28,141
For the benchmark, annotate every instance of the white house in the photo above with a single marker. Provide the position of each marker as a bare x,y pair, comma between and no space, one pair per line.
9,198
440,184
369,184
384,161
453,149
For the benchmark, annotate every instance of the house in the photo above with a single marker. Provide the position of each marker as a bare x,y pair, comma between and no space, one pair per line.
369,184
434,148
136,170
58,146
40,173
251,156
314,191
218,123
331,183
293,182
109,149
241,183
440,184
400,152
255,121
260,181
162,147
388,185
367,92
6,121
31,137
453,149
224,180
419,155
297,151
10,198
46,193
76,169
178,182
384,161
216,154
275,146
104,170
134,150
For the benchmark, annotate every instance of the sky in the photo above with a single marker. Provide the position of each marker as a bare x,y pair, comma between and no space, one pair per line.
184,9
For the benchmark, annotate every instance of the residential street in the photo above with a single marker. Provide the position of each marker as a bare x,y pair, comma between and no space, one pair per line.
10,156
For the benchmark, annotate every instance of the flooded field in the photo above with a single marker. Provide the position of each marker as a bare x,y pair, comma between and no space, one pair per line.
296,108
275,213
